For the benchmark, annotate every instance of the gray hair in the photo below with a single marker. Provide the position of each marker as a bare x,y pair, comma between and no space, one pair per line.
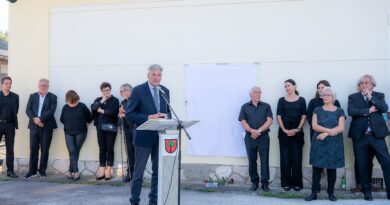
154,67
370,77
330,90
127,86
44,80
254,88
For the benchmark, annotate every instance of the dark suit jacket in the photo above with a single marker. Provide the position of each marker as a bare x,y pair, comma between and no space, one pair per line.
140,107
15,106
358,108
47,113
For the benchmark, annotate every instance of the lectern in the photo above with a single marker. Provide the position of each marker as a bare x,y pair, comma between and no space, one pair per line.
169,158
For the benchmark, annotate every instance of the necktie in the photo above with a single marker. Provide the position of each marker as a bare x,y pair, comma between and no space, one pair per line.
155,98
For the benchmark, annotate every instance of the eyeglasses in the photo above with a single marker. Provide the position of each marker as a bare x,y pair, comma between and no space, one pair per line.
106,90
326,95
122,91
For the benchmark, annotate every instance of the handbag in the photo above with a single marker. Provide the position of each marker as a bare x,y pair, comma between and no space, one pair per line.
109,127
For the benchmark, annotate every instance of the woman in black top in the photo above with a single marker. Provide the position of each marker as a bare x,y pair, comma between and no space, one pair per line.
291,116
105,116
75,116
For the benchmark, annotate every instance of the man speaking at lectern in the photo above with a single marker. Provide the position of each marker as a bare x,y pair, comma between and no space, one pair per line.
147,103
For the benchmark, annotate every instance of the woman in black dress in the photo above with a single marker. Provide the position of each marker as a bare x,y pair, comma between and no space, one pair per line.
317,102
327,147
291,116
105,111
75,116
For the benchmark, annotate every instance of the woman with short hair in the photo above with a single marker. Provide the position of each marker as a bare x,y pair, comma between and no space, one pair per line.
327,146
105,111
75,116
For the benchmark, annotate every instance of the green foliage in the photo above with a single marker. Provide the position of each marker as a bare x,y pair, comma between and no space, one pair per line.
4,36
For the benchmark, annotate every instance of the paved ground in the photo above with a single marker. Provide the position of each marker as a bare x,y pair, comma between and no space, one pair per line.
41,192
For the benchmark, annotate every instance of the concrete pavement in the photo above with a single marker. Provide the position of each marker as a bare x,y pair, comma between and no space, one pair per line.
37,191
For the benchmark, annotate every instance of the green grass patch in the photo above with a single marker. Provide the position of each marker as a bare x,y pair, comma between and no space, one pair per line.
282,195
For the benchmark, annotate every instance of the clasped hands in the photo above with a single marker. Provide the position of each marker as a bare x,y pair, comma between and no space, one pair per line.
329,132
38,121
291,132
255,133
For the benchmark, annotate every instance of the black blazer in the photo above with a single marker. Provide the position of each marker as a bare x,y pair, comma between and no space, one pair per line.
14,107
140,107
47,114
111,110
358,109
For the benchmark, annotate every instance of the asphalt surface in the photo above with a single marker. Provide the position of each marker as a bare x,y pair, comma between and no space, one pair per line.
43,193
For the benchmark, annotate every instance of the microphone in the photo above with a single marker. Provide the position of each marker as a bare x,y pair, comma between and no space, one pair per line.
160,89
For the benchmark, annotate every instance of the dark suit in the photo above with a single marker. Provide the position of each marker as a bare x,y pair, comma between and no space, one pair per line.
369,143
8,124
40,137
145,142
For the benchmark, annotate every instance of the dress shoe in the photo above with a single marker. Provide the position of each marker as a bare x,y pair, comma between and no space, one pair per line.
368,197
332,197
297,188
42,174
254,187
134,203
30,175
265,187
311,197
12,174
286,188
107,178
388,196
152,203
127,178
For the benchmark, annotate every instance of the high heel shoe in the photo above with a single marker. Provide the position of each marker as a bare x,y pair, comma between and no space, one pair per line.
99,172
107,173
101,177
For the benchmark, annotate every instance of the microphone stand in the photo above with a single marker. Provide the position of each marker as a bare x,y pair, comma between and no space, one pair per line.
179,127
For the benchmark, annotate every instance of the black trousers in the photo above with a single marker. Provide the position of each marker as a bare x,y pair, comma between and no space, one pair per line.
129,133
253,148
317,177
369,168
141,158
106,142
368,145
8,130
39,139
74,144
291,161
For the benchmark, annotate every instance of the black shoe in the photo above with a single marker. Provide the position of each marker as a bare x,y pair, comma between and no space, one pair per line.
12,174
368,197
101,177
265,187
332,197
388,196
297,188
127,178
319,188
311,197
152,203
254,187
286,188
107,178
134,203
42,174
30,175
